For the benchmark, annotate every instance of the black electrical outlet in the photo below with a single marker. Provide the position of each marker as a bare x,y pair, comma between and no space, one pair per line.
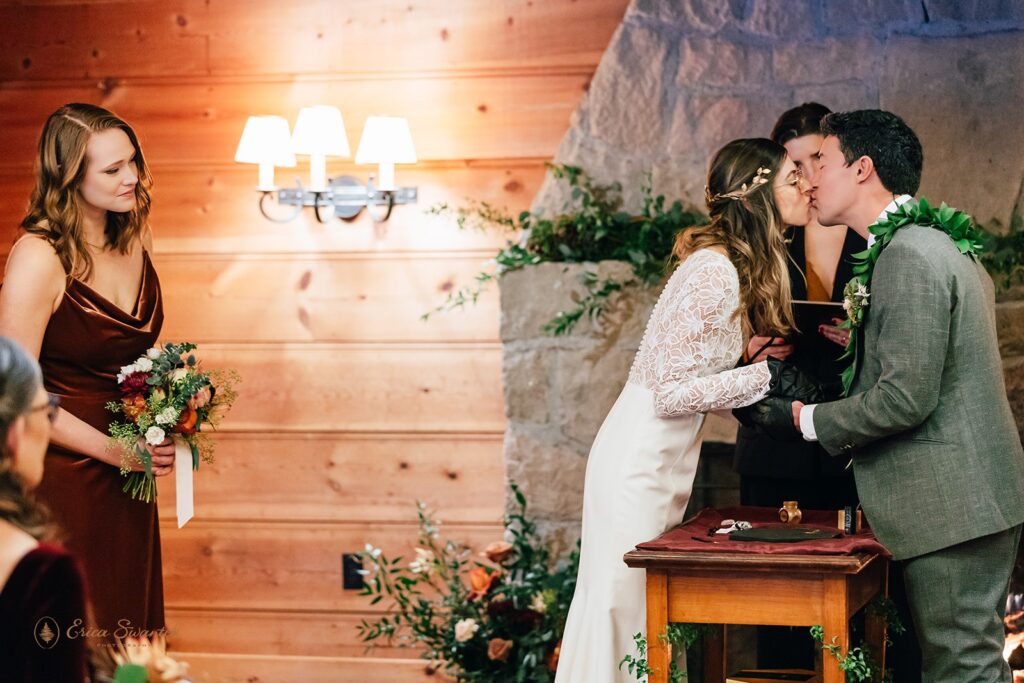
351,565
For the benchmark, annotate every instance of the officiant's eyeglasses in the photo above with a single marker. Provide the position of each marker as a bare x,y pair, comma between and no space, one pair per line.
51,407
794,178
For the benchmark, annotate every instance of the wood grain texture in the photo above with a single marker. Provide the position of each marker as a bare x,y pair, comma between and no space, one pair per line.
348,478
201,119
396,388
213,210
291,299
98,39
256,632
282,566
232,668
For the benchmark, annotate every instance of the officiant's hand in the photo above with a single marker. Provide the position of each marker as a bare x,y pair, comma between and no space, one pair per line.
834,334
777,348
162,456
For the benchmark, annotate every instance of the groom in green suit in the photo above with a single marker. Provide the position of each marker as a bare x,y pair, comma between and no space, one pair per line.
936,453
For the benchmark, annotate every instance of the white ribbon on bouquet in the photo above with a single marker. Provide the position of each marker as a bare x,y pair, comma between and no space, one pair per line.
183,480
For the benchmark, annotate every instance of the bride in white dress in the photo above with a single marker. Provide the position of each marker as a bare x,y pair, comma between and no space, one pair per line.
732,278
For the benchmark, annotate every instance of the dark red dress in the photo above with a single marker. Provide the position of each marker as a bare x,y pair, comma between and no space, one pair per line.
117,539
42,599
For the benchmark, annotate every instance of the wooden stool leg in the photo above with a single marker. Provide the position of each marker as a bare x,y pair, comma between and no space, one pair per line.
714,655
875,630
836,626
658,651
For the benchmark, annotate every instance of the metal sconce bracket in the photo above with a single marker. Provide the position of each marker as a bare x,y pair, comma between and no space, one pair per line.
345,196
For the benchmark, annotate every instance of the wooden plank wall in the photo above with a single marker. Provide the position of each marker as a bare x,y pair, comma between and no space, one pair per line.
351,407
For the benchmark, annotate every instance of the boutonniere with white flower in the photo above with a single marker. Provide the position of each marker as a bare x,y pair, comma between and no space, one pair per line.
856,295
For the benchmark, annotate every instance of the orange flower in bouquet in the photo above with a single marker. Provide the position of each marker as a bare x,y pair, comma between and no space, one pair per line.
481,581
167,394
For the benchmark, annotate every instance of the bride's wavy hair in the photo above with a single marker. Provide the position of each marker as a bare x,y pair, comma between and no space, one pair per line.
55,212
19,381
746,222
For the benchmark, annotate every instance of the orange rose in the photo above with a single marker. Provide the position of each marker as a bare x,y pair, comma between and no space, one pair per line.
498,649
134,406
187,422
498,552
481,581
552,658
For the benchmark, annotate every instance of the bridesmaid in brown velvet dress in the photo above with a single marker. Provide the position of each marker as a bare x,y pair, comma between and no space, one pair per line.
81,292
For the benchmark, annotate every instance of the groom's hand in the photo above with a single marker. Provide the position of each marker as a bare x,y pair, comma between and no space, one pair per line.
797,405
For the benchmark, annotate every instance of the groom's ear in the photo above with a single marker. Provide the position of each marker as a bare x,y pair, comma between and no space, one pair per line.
864,168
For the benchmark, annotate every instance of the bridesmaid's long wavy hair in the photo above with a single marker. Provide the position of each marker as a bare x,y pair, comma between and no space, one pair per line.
745,220
54,211
19,381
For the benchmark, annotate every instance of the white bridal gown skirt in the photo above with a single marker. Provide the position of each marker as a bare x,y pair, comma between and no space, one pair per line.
639,477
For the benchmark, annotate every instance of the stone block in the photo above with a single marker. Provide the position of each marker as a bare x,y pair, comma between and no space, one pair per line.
707,61
870,16
549,471
844,96
589,384
526,378
706,16
833,59
1010,328
963,97
533,296
623,104
782,19
604,163
984,11
722,119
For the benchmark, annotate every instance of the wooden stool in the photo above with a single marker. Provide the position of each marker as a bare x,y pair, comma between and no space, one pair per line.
759,589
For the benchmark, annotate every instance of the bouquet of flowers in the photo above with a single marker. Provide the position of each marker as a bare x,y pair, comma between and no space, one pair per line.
139,659
166,393
493,621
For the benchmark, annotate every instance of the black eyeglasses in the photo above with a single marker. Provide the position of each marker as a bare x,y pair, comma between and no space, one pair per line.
51,407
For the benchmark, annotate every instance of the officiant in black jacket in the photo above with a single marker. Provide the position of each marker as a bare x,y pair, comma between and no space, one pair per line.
819,267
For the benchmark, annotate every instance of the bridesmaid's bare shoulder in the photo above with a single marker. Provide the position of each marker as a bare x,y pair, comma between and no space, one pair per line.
36,254
34,271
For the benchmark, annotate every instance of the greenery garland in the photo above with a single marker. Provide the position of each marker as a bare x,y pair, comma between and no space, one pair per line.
856,295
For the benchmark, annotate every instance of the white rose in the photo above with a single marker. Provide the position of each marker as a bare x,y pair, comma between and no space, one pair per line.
465,630
155,436
538,604
125,371
153,353
178,374
167,416
143,364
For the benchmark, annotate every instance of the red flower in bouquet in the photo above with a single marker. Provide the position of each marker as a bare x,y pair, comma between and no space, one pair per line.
481,581
135,383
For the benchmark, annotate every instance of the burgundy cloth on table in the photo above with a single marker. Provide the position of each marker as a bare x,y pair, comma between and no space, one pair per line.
680,538
116,539
47,582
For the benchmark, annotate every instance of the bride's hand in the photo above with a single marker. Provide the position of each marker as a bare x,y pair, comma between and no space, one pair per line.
779,348
162,457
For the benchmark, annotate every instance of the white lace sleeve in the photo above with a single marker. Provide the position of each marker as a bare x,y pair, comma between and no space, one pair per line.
693,340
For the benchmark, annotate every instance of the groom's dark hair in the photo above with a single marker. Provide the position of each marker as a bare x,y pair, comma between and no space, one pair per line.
884,137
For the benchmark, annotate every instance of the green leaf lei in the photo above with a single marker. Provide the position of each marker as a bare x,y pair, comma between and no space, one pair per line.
856,296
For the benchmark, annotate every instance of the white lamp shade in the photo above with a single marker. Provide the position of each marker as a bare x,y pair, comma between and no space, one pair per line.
386,139
265,139
320,130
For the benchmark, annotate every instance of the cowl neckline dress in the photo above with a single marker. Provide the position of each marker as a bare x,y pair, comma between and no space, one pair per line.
87,341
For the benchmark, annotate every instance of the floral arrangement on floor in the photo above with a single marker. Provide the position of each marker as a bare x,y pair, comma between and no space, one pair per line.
495,617
165,393
592,227
140,660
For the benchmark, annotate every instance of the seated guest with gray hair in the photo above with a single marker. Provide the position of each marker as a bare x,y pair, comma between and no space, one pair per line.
42,597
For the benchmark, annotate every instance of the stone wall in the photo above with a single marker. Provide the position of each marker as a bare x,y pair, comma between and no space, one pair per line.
679,79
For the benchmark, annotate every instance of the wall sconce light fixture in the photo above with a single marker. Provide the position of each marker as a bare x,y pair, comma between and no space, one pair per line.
319,133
